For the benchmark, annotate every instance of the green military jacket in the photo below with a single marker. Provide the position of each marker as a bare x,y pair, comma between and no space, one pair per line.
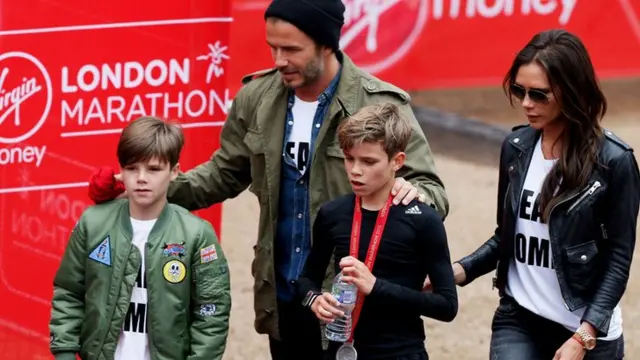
187,282
250,155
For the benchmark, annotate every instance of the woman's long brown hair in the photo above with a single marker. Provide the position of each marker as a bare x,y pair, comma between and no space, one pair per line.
574,83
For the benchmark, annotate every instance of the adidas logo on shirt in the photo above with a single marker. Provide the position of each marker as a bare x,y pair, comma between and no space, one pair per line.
413,210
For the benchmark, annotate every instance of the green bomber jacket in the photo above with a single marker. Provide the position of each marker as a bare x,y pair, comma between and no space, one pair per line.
187,281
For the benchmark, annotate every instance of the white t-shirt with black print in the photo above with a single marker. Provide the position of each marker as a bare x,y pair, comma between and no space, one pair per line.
133,343
299,140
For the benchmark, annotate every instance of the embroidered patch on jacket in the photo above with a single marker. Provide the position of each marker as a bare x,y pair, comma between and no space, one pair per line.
224,269
208,254
174,271
174,249
102,253
207,309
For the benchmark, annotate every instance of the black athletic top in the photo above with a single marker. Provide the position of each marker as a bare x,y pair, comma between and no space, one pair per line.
413,245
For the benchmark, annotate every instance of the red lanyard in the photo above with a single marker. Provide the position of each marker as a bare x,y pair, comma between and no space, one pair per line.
374,245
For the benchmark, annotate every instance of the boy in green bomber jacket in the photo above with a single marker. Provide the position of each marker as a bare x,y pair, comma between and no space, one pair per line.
142,279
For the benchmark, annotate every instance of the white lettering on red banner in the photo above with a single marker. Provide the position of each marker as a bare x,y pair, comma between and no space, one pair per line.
101,98
376,41
492,8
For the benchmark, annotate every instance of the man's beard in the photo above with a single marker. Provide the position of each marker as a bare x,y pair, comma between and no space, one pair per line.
311,73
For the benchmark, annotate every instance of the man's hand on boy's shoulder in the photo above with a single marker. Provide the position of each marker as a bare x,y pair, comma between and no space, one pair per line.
405,192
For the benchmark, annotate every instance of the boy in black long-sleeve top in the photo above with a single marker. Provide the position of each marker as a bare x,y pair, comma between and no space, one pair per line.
412,245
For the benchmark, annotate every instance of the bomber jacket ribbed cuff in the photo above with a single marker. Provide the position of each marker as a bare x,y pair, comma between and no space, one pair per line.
65,356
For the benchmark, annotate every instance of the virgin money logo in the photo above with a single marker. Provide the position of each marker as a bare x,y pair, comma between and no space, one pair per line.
374,38
25,96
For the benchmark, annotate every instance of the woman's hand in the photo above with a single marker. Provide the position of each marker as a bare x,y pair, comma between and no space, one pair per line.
570,350
573,349
459,277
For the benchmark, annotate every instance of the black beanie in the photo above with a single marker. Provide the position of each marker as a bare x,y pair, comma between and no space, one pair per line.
321,20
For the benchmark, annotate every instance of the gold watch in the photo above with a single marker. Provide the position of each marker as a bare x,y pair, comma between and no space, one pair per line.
588,340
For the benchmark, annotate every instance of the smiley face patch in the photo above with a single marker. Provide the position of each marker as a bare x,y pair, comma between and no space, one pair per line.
174,271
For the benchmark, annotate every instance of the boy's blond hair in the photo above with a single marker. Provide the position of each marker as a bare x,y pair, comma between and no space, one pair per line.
150,137
383,123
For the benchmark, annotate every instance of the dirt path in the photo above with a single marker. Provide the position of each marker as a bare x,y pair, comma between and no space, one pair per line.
472,191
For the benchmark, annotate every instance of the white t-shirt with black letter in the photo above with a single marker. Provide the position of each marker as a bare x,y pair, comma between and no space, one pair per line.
299,140
133,343
532,280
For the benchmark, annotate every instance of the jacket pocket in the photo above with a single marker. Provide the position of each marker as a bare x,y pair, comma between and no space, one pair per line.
582,253
255,143
581,260
207,282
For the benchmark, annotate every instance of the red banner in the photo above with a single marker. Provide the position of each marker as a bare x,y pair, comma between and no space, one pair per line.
422,44
71,77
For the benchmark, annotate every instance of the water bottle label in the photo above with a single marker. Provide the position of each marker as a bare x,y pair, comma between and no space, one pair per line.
348,297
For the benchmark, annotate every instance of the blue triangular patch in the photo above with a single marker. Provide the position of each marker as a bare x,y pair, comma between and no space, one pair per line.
102,253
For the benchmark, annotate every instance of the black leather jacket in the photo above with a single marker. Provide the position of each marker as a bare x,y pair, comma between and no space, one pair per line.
593,231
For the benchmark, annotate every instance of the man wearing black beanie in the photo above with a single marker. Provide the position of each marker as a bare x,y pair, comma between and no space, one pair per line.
321,20
314,25
279,140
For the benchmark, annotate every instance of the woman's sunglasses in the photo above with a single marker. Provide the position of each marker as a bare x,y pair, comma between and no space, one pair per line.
535,95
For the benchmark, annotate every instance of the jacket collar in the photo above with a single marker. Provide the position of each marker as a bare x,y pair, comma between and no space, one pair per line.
525,139
158,227
346,95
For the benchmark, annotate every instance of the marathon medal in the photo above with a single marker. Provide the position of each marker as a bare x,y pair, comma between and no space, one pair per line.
346,352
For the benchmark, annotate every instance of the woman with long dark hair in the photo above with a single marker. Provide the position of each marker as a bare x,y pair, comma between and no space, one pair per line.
568,199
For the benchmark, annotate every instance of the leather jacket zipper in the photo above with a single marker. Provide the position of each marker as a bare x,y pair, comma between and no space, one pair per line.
572,197
589,192
604,232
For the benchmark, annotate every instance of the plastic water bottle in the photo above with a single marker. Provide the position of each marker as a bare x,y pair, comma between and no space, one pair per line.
340,329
